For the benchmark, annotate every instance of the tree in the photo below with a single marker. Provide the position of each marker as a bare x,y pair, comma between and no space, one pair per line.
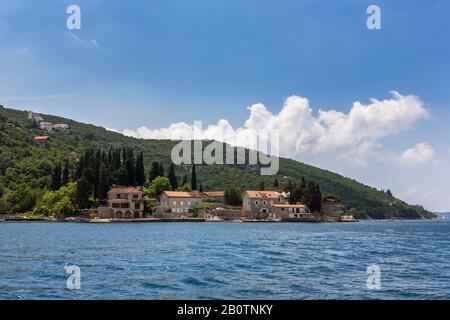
193,178
83,193
290,189
157,186
161,170
262,186
172,177
103,183
313,197
389,193
275,183
185,180
140,170
58,202
56,177
130,167
233,194
65,173
154,171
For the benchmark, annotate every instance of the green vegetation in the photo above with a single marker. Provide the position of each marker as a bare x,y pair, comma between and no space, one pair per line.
29,170
61,202
157,186
233,194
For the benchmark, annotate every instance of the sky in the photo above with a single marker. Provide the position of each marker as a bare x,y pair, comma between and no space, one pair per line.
372,105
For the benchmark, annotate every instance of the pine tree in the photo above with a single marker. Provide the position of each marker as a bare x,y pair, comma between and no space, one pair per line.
56,177
154,172
140,170
65,174
172,177
193,178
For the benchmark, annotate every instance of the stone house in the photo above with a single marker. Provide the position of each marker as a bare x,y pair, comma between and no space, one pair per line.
260,202
123,203
180,201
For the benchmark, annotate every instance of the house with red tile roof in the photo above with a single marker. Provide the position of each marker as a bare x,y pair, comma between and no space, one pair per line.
43,140
260,203
180,201
123,203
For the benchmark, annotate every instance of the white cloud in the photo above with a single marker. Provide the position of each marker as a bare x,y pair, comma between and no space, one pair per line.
353,136
419,154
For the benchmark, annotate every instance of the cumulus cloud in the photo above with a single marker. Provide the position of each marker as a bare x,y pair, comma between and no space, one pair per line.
419,154
353,135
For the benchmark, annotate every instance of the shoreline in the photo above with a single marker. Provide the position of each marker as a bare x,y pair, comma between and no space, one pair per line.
186,219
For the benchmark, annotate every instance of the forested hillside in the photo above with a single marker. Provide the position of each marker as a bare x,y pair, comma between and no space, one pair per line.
26,167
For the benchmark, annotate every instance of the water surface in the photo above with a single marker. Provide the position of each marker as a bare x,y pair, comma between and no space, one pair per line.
225,260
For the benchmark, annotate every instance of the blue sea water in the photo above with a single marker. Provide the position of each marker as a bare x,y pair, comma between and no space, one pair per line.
225,260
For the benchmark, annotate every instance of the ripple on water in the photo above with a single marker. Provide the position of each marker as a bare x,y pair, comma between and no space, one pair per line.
225,261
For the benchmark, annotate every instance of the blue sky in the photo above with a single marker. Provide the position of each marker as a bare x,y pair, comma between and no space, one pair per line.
154,63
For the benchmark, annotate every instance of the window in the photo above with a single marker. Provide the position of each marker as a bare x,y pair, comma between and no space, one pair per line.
137,206
189,203
282,209
118,196
181,203
135,196
174,203
264,202
115,205
256,202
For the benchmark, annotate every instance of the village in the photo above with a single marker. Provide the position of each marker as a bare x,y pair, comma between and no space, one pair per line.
126,204
123,195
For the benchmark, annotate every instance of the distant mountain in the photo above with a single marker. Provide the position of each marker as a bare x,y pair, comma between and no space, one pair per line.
25,164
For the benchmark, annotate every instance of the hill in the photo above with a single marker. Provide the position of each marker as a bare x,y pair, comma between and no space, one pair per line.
26,167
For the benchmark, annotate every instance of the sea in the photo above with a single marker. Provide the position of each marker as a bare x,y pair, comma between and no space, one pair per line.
221,260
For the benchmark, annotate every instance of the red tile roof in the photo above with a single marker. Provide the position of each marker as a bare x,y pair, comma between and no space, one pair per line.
125,190
263,194
41,138
184,194
215,193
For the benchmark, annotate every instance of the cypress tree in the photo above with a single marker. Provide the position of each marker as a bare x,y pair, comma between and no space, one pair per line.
154,171
56,177
185,180
275,183
103,183
65,174
262,186
290,190
140,170
161,170
83,192
193,178
172,177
